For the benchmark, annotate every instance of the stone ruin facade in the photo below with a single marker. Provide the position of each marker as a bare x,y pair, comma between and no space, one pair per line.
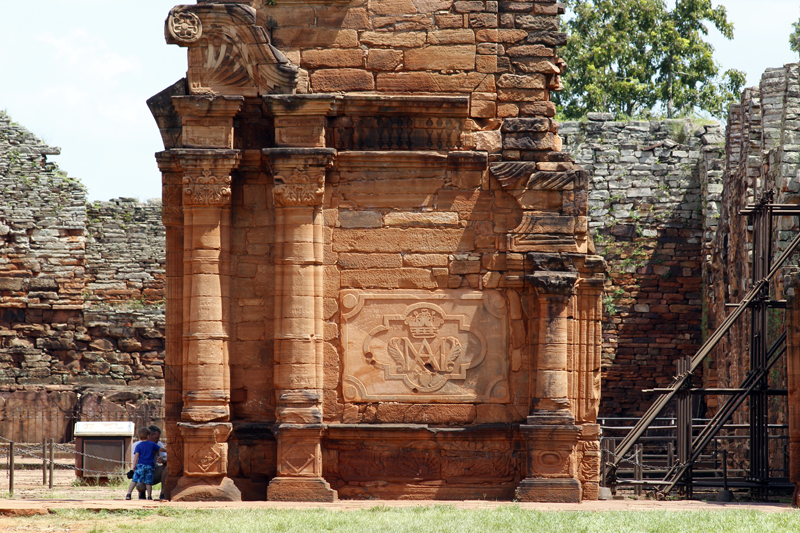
380,282
82,331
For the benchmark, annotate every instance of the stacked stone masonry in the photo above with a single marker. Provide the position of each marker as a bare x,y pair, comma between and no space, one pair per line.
654,203
379,277
376,169
762,164
63,325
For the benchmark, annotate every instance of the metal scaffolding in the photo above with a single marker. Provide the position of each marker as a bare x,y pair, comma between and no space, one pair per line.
691,447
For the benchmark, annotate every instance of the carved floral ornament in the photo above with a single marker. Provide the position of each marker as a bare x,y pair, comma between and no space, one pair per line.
301,187
185,27
206,189
207,458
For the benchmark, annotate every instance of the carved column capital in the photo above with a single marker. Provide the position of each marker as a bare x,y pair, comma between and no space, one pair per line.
299,174
553,284
206,190
171,176
301,187
206,176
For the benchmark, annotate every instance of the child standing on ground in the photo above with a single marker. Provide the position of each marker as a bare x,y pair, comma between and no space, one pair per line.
144,461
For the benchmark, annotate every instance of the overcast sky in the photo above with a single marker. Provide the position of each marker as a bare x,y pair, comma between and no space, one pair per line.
77,73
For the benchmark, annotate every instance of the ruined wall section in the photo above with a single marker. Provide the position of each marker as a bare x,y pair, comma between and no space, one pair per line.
654,201
61,327
125,252
42,219
763,157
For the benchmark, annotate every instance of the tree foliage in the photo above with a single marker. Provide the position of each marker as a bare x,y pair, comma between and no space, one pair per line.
639,57
794,38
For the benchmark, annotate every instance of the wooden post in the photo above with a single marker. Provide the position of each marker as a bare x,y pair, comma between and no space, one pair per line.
52,445
11,468
44,461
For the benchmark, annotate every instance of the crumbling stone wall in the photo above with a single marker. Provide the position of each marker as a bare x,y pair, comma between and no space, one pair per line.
762,157
81,288
653,209
124,252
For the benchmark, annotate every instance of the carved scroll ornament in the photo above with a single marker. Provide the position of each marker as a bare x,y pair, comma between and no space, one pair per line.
206,190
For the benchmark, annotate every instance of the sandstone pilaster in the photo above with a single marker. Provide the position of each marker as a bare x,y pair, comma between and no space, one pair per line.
298,190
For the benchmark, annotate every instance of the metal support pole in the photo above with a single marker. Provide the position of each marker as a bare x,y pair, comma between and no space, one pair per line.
613,448
670,454
44,461
724,469
637,469
11,468
52,445
725,495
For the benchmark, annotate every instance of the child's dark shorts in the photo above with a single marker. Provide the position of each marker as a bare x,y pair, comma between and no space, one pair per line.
144,474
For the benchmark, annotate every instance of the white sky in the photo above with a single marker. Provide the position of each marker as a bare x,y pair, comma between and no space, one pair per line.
77,73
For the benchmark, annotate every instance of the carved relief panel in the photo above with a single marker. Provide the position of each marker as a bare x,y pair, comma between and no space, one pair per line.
422,347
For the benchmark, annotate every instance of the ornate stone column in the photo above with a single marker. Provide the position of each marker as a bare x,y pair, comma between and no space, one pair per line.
585,373
205,415
206,163
550,431
172,216
299,187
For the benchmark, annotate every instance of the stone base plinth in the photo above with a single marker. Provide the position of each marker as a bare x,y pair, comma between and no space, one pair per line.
290,489
560,490
591,490
205,489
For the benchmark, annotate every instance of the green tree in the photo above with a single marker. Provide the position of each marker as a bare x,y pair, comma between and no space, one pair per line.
638,57
794,38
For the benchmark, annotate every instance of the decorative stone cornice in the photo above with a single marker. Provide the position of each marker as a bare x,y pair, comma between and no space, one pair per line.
207,106
301,104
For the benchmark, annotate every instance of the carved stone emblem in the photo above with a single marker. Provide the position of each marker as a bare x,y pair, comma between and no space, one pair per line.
427,360
205,458
301,187
185,27
419,346
206,189
299,460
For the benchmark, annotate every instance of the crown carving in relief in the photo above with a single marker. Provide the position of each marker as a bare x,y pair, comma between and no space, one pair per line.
424,323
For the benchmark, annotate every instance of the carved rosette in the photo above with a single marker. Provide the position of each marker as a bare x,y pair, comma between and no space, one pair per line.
184,27
206,190
301,187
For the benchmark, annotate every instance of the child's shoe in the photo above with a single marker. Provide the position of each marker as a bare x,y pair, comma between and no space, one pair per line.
128,496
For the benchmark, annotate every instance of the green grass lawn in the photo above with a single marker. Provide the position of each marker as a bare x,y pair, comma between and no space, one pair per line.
441,518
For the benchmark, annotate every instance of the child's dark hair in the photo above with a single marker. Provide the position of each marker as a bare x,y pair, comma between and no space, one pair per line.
143,433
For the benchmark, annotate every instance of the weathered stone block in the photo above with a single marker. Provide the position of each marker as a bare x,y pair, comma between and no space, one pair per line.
461,57
342,79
